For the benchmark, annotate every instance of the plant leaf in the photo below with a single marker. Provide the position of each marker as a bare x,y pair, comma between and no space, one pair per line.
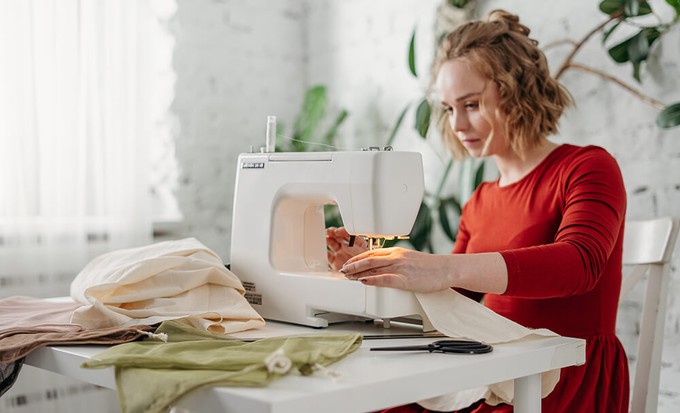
281,145
479,174
638,48
311,113
420,234
443,179
635,48
610,31
423,114
619,52
412,54
676,5
458,3
444,222
636,71
669,117
645,8
329,137
397,125
444,206
332,216
611,7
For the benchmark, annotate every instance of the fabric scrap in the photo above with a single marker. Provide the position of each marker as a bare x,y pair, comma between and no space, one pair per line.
24,311
458,316
28,323
151,375
19,344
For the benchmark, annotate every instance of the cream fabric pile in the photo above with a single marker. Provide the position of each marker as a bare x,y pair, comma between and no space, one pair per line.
162,281
455,315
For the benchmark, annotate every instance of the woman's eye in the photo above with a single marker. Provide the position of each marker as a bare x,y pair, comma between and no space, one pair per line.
447,109
471,105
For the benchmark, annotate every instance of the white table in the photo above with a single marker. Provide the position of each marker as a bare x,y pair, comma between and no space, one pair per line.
371,380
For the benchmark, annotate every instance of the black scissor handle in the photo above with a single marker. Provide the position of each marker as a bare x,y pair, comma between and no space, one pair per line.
455,343
444,346
460,346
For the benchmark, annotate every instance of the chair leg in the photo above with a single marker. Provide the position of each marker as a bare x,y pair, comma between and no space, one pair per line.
650,344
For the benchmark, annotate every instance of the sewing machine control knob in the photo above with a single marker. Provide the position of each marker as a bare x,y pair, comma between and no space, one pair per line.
377,148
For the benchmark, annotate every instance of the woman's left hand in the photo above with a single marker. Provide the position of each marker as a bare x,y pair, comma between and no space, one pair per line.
399,268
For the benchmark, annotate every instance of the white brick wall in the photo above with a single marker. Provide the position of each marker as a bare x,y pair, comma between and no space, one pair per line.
238,61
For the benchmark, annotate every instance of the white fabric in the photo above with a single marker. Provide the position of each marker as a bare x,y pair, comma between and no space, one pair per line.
455,315
162,281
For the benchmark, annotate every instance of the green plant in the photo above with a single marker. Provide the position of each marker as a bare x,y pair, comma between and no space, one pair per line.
635,49
305,135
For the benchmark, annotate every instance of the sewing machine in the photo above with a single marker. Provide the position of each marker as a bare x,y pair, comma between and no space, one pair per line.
278,246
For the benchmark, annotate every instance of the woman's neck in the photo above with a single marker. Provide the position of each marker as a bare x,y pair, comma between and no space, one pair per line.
513,167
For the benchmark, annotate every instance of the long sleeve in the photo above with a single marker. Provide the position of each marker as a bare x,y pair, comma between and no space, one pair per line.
556,228
459,248
594,211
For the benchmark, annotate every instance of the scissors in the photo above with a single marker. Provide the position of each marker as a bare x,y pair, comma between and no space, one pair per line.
444,346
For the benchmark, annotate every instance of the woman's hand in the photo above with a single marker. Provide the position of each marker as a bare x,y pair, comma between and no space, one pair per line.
339,251
400,268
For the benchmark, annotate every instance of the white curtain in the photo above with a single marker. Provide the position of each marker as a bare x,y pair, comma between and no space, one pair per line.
77,111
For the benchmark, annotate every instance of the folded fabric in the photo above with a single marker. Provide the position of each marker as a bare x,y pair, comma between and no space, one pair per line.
28,323
162,281
151,375
455,315
23,311
19,343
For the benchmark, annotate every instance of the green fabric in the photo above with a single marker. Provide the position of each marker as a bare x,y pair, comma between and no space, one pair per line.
151,374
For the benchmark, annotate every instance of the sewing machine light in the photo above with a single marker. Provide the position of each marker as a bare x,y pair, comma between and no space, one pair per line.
379,242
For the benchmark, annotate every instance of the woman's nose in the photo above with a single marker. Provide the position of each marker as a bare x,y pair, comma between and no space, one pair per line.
459,122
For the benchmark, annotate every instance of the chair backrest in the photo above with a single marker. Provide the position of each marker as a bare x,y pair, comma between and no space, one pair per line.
648,247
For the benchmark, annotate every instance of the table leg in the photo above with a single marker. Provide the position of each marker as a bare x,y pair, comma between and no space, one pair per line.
528,394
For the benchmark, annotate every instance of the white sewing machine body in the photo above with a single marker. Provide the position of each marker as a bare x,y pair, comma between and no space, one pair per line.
278,246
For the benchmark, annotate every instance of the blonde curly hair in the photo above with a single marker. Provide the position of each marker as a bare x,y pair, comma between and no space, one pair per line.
531,101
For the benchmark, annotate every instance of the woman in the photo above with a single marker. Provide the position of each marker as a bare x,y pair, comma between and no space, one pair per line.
543,243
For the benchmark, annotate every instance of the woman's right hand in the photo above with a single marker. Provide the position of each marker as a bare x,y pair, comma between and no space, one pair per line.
339,251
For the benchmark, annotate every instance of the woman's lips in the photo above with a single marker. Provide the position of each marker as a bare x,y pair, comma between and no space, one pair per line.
471,142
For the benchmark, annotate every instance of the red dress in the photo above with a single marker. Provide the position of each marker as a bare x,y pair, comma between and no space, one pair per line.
560,231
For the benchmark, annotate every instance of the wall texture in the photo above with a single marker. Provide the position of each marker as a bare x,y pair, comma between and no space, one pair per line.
236,62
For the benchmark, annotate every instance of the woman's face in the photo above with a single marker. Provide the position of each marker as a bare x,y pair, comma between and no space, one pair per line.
461,90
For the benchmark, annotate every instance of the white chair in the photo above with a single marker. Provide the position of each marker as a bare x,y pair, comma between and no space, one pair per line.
647,248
